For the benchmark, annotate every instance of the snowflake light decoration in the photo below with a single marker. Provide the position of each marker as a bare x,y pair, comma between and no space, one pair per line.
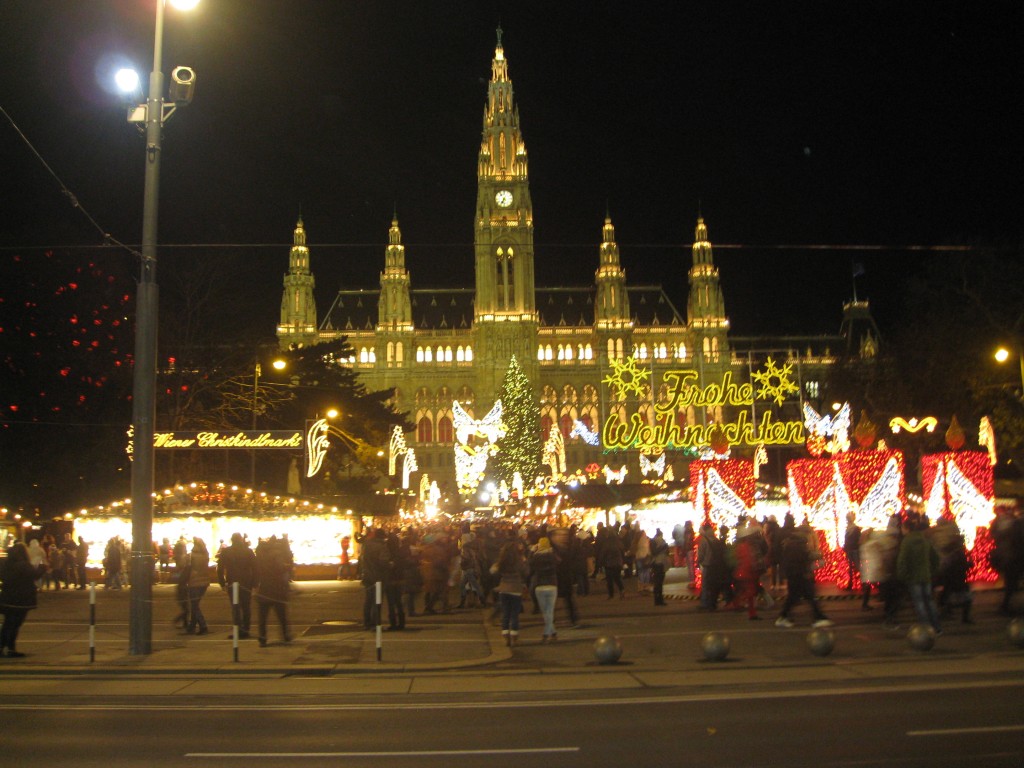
775,382
626,377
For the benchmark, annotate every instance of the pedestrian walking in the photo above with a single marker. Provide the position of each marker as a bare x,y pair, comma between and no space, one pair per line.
17,596
273,573
797,566
236,564
197,568
511,568
750,565
713,567
659,561
544,577
916,567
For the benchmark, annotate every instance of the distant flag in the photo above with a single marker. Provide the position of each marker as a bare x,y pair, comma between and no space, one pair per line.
858,270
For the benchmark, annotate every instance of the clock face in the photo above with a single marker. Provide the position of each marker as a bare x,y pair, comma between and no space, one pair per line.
503,198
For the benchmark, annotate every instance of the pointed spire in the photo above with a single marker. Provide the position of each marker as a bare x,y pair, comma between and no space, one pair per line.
394,233
701,233
299,235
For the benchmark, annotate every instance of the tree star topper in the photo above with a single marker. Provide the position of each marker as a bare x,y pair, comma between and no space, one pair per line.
626,377
775,382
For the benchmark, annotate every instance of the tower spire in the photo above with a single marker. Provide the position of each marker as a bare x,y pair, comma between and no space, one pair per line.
298,306
706,305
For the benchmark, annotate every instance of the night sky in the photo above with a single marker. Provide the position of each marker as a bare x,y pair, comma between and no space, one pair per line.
788,124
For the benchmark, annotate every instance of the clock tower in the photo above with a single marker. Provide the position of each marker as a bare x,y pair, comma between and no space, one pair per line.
505,319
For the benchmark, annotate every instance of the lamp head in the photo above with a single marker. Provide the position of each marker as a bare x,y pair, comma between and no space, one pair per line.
127,81
183,85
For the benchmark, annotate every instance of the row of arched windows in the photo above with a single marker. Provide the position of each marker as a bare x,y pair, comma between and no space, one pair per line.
545,352
565,352
432,428
441,354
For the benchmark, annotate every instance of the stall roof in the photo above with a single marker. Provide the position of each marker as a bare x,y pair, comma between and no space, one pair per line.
600,496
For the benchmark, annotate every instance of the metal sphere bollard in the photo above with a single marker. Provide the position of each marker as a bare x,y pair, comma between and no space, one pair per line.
821,641
1015,631
607,649
921,637
715,646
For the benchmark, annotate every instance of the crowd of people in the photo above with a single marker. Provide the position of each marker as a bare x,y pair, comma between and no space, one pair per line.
750,567
509,565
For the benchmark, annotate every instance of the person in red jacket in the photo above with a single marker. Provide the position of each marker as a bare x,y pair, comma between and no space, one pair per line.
750,565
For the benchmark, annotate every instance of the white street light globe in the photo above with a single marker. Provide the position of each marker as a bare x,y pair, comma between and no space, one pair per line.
1002,355
127,80
184,5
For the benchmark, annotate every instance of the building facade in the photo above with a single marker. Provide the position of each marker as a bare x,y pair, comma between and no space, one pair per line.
438,346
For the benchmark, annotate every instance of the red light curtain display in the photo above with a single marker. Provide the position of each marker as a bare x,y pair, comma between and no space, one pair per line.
723,490
870,484
960,486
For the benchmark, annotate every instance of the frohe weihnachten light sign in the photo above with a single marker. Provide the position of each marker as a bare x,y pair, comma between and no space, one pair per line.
633,431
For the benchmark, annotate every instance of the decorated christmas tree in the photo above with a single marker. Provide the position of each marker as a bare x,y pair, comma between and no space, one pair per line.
519,450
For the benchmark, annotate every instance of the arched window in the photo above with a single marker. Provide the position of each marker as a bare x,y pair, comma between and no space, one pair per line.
545,425
561,352
469,354
445,433
425,430
419,354
565,425
540,351
642,352
547,353
611,349
428,355
391,351
399,352
618,349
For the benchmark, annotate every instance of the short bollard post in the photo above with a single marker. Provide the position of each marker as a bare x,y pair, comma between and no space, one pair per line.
92,621
234,617
378,600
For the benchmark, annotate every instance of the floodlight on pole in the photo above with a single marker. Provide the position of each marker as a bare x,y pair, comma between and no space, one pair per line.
152,114
1003,354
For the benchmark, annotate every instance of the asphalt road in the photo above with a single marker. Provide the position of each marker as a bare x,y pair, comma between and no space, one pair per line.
927,723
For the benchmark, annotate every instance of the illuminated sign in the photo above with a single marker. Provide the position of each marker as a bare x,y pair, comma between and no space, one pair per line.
622,432
248,439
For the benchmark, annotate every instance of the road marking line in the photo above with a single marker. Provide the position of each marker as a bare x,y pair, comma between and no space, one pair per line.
618,701
980,729
417,753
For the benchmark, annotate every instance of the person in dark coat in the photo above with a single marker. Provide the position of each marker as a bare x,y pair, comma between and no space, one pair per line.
273,576
375,565
610,553
17,596
236,563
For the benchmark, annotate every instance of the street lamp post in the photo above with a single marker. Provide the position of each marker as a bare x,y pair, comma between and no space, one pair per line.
140,622
279,365
255,409
1003,354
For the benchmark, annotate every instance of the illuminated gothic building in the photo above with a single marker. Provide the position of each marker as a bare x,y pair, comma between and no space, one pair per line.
436,346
